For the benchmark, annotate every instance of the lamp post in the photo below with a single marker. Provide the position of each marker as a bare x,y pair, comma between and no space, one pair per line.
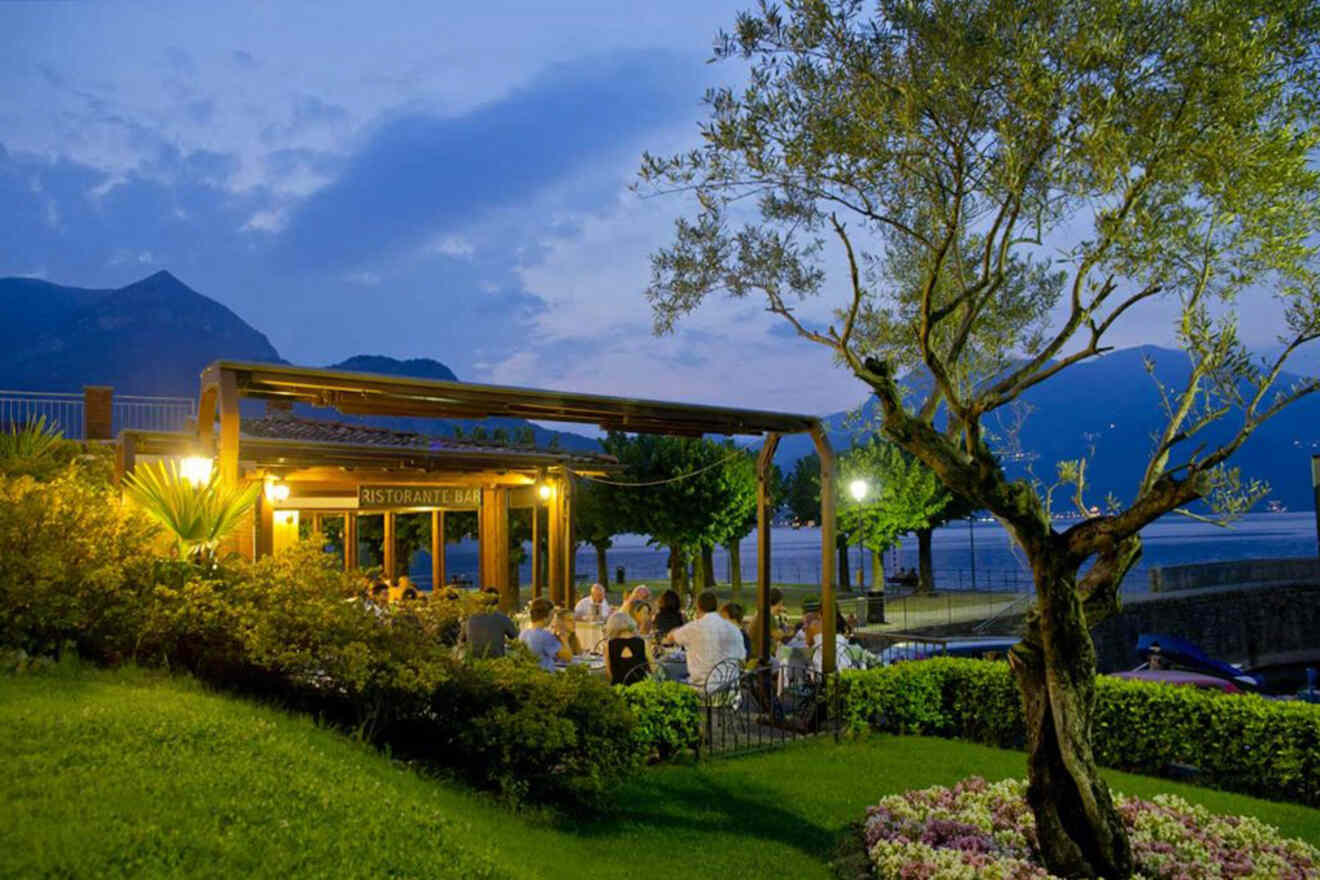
875,604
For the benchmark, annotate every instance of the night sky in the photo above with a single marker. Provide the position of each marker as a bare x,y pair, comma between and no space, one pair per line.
410,180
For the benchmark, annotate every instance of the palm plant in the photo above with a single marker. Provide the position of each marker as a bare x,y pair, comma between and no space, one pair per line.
32,448
198,515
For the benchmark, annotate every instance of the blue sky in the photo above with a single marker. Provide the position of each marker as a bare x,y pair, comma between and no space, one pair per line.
439,180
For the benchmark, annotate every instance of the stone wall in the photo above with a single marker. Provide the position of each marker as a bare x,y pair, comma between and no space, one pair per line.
1235,624
1229,623
1172,578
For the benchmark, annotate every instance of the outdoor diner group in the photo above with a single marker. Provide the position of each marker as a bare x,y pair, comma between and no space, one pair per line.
644,637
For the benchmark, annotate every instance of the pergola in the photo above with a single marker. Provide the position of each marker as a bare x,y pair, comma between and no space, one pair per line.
225,383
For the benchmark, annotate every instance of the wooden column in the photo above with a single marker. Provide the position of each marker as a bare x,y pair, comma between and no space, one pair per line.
536,545
555,546
206,418
764,465
318,526
350,541
828,478
566,535
229,425
437,551
389,549
263,528
493,534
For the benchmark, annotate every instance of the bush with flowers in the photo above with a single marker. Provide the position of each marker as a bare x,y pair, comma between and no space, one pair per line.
985,831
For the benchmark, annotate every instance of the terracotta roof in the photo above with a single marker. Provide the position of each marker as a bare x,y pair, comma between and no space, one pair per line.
282,426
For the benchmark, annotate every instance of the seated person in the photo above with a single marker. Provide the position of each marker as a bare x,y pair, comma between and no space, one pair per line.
813,626
668,617
733,613
594,606
625,651
485,632
545,647
640,611
566,630
708,640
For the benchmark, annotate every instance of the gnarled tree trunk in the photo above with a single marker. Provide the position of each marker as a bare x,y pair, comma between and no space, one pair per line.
1078,828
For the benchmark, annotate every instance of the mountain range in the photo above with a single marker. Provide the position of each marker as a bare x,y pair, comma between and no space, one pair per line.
154,337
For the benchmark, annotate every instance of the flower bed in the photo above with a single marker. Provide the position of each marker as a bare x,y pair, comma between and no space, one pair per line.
982,830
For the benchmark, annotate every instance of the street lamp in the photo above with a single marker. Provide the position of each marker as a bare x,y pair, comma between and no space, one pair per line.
858,489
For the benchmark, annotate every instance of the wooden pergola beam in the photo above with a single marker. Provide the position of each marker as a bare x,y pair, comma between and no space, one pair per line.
828,477
764,466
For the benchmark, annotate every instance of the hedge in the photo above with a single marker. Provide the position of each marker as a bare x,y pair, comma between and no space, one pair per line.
1238,742
668,717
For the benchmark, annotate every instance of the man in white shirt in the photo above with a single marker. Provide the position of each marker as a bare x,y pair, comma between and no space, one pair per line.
708,640
593,607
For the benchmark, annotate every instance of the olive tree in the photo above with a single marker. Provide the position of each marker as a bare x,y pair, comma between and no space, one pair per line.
994,185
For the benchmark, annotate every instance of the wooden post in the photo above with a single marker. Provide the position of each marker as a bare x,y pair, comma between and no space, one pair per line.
229,425
764,464
389,550
437,551
566,533
125,458
536,545
350,541
828,478
263,528
555,546
98,413
206,418
318,526
493,534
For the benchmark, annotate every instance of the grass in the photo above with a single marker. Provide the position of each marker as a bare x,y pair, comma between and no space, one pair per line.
132,774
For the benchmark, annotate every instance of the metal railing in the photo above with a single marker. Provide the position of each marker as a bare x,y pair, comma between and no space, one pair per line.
139,413
766,707
66,411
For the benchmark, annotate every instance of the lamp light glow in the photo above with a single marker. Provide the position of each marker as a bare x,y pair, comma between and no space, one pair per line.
277,492
858,489
544,491
196,469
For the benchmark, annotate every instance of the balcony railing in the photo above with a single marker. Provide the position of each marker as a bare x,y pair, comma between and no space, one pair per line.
68,412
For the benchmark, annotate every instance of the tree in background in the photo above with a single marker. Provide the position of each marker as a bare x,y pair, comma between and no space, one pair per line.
689,498
600,511
1000,182
903,496
802,490
733,543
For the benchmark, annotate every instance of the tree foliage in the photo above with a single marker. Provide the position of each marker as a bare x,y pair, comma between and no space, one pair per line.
1000,183
903,495
198,515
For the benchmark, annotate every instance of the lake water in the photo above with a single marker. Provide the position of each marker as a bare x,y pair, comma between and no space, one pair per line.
795,553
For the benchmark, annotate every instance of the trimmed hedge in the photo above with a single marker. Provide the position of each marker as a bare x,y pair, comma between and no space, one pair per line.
668,717
1239,742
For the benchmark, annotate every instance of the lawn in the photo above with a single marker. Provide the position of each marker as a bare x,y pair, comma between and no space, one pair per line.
131,774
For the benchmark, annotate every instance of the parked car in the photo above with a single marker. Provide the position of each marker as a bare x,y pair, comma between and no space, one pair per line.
990,647
1181,677
1172,660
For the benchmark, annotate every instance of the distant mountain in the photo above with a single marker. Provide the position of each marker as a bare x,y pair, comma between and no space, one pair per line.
1108,409
154,337
151,337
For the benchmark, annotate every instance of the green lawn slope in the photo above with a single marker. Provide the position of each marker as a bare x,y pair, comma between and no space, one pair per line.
133,774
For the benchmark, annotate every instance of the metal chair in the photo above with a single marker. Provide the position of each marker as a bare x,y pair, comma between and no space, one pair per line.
637,674
722,697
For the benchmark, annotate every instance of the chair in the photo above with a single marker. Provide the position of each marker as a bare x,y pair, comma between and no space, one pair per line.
722,697
600,647
636,674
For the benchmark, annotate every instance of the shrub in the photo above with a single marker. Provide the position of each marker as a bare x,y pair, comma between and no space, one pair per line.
75,567
977,829
566,737
668,717
1244,743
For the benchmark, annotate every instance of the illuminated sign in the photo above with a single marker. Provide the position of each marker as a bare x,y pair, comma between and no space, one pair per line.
384,497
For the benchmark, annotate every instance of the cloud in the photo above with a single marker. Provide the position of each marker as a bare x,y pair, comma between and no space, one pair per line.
420,175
